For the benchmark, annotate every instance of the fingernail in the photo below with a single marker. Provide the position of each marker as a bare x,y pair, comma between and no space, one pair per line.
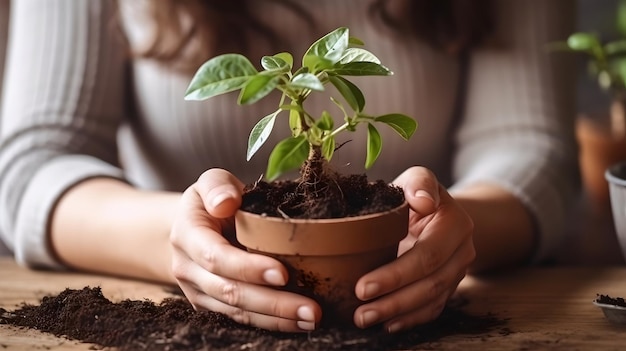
395,327
369,317
306,325
305,313
274,277
370,290
219,199
424,194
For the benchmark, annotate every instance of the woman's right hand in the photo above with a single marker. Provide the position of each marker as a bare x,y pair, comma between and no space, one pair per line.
215,275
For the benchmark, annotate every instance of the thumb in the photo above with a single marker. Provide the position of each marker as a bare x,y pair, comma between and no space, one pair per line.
421,189
220,191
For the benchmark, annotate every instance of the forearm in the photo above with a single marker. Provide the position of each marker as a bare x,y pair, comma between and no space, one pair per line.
104,225
503,229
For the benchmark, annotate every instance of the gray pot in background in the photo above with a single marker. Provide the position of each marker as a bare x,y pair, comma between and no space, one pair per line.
616,176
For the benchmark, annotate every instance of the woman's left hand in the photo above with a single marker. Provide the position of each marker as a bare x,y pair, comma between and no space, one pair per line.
431,262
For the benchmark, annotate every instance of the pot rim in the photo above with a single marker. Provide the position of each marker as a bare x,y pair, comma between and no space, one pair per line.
325,220
616,174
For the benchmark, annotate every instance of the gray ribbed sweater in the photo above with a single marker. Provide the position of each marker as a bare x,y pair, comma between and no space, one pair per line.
75,106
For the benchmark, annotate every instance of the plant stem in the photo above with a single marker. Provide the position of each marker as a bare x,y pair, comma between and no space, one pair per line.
336,131
345,126
314,167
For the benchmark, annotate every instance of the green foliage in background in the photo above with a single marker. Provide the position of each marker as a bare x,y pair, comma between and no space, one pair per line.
606,59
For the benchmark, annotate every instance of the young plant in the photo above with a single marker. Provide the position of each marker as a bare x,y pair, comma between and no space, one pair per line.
606,59
329,60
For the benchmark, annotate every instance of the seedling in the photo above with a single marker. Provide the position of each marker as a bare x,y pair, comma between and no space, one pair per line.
328,60
606,59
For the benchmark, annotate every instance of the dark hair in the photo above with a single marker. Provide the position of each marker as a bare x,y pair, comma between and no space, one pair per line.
452,26
218,26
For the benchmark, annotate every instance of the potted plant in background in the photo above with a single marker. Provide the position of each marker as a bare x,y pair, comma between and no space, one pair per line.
602,139
327,228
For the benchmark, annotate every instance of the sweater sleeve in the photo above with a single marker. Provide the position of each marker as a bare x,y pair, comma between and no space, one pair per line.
518,127
63,103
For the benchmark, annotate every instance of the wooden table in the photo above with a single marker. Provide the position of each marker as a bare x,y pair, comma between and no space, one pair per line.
546,308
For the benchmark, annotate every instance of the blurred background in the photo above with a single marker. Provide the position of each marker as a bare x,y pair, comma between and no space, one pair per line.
602,140
592,240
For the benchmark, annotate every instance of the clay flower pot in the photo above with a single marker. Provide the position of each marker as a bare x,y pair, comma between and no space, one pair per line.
326,257
602,144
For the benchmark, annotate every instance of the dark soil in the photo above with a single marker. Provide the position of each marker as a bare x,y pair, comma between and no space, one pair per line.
606,299
321,192
336,197
86,315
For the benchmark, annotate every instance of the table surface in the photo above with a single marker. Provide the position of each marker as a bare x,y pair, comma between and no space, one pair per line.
545,308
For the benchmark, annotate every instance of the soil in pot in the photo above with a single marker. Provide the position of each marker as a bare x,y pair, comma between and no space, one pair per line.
320,192
86,315
335,196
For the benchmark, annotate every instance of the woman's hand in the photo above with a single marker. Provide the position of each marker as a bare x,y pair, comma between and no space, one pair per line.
217,276
433,259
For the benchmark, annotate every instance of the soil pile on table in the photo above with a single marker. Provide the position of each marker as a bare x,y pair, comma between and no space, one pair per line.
86,315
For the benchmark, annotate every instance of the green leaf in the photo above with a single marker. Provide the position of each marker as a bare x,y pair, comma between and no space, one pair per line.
325,122
257,88
288,154
374,145
290,107
402,124
317,64
615,47
219,75
583,41
353,95
622,73
295,122
360,69
314,135
328,148
307,81
287,57
275,63
301,70
605,81
358,54
355,41
259,134
329,48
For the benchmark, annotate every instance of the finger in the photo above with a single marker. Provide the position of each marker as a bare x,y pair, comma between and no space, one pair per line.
420,301
248,303
420,316
220,192
198,236
435,245
421,189
407,243
424,314
215,254
269,322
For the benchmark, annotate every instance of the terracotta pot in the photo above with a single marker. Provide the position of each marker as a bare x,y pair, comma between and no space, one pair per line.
326,257
602,143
